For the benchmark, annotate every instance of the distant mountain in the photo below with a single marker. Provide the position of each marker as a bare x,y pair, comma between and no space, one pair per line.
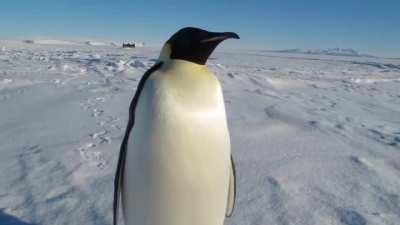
76,42
329,51
49,42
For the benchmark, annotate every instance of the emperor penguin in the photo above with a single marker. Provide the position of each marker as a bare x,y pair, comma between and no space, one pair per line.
175,165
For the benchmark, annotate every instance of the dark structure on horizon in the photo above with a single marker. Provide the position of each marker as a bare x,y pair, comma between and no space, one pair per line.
128,45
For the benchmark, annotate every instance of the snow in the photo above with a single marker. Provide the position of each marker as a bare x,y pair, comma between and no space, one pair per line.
50,42
99,43
329,51
38,42
316,139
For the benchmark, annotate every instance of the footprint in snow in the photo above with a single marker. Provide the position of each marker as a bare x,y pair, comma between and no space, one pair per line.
350,217
110,121
31,150
100,99
97,112
102,137
137,64
384,138
92,157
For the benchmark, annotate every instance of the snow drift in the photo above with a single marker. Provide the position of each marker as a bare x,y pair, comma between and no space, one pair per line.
315,140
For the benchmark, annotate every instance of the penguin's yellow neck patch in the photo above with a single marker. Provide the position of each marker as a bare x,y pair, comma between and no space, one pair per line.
165,53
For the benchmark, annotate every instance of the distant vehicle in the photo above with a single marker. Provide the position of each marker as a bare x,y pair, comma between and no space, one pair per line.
128,45
29,41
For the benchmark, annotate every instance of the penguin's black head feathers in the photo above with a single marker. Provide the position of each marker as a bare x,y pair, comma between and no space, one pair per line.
196,45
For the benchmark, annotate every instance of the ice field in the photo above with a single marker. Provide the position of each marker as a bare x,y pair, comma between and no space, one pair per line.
316,138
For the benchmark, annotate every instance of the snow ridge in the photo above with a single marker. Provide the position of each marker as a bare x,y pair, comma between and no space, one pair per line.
329,51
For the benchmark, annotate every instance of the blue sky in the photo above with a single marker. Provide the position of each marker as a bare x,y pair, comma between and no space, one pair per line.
371,26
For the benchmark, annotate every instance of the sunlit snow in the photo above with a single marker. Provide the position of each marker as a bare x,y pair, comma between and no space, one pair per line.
316,139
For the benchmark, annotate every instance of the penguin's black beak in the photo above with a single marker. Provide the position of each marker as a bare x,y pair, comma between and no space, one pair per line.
219,36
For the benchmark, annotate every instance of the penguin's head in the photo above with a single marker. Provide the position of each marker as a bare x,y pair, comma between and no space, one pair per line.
193,44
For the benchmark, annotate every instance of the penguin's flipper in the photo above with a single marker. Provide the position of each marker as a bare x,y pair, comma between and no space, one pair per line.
230,205
119,174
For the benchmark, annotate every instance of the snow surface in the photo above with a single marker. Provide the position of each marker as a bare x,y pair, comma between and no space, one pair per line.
328,51
61,43
50,42
316,139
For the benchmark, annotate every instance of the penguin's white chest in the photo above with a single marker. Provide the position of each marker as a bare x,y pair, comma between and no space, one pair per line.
178,159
